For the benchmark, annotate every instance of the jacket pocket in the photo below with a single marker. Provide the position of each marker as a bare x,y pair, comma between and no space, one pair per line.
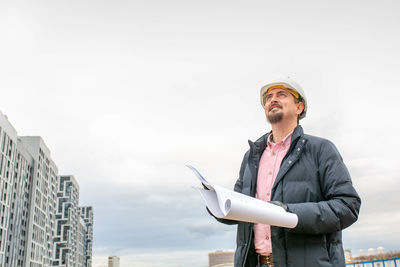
336,253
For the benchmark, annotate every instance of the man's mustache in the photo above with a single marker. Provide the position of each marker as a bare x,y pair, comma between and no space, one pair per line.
274,106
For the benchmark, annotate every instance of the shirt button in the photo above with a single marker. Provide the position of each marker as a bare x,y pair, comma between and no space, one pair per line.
273,153
267,238
270,173
267,194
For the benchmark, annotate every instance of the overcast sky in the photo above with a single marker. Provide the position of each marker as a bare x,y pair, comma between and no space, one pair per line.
125,93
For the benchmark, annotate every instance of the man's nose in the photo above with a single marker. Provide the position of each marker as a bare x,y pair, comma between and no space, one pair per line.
273,99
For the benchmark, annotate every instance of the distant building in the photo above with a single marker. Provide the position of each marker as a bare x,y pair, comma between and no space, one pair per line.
381,250
80,242
71,239
19,213
371,251
67,219
221,258
380,259
347,255
28,180
86,213
113,261
41,227
30,206
8,139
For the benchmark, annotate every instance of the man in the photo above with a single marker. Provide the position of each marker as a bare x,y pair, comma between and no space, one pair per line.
303,174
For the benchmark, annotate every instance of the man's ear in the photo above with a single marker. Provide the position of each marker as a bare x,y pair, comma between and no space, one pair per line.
300,108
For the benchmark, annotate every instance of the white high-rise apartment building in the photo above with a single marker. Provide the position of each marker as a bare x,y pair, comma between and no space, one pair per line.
81,242
67,235
113,261
27,187
19,212
8,139
86,213
41,227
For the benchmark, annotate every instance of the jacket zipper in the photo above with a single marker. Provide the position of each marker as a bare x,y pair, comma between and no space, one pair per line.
251,225
247,246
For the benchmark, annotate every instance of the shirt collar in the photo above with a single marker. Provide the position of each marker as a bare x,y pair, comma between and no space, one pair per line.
284,142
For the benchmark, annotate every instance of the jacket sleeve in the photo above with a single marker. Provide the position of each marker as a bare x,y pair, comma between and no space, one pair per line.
237,188
341,203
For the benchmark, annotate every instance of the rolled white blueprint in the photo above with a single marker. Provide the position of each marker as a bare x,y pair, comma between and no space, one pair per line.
227,204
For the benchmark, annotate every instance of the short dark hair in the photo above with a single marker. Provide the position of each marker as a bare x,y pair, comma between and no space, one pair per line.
298,100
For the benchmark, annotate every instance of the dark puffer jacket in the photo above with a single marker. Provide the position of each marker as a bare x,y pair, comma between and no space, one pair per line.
315,184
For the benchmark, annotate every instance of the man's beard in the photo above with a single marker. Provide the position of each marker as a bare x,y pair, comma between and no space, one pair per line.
275,117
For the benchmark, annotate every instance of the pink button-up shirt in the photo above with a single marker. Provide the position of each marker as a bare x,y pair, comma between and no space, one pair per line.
270,163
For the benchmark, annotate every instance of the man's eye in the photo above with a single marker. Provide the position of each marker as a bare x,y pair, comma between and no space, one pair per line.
268,97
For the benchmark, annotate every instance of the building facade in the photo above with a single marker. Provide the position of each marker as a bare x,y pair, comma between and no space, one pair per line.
113,261
220,257
41,226
80,243
67,219
19,213
8,139
86,213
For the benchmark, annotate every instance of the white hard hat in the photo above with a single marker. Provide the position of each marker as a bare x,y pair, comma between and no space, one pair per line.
288,84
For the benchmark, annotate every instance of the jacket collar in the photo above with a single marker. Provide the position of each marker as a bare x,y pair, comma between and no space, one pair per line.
297,133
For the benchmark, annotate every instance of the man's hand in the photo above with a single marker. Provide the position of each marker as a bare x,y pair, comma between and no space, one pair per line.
280,204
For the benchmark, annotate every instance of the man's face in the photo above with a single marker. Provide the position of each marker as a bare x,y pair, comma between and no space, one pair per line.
280,105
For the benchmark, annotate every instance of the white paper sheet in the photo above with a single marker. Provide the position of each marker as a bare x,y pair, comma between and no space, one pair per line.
227,204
